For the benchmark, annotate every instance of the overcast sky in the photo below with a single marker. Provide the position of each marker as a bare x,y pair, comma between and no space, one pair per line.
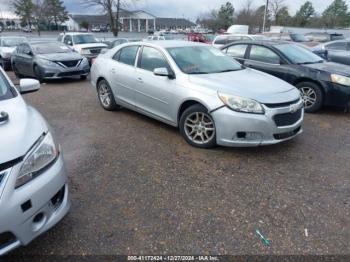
184,8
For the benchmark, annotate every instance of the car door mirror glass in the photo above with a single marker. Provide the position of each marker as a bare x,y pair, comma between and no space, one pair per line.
27,85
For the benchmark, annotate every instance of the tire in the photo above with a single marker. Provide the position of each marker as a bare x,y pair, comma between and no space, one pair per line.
15,70
312,96
198,127
4,65
38,74
106,97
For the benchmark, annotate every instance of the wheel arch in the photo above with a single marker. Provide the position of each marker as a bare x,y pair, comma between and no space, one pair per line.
187,104
306,79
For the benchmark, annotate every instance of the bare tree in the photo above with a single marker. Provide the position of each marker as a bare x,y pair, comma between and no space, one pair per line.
111,8
275,8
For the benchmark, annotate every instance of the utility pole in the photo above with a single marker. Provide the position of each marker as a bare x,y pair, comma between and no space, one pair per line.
265,15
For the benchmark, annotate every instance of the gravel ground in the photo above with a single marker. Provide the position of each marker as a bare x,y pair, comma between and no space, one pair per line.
138,188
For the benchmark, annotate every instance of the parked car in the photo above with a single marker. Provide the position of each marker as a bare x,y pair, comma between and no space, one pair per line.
222,40
337,51
111,43
84,43
324,37
211,98
48,60
33,184
291,37
8,44
320,82
159,37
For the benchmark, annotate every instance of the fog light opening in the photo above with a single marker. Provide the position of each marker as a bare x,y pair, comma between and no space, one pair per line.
39,221
241,135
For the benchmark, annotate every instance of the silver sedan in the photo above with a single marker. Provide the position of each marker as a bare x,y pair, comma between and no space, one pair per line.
212,99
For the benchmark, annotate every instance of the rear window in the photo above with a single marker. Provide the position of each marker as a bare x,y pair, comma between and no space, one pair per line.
128,55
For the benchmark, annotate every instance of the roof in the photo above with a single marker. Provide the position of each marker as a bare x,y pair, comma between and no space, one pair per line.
169,22
264,42
172,43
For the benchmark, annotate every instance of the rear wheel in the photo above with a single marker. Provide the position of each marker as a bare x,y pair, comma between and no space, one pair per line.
15,70
4,65
106,96
198,127
312,96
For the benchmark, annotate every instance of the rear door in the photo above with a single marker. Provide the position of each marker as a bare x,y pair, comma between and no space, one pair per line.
339,52
266,60
156,95
237,52
122,71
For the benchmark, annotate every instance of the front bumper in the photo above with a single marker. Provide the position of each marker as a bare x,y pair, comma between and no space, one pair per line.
34,208
58,73
236,129
337,95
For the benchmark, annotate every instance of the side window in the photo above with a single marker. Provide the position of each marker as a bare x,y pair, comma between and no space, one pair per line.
68,40
26,49
116,56
263,54
20,49
221,41
128,55
237,50
341,46
152,58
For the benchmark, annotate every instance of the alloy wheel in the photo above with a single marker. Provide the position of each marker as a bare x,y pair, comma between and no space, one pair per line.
309,96
199,128
105,95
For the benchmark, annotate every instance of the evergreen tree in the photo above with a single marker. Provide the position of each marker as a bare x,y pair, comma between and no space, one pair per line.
336,14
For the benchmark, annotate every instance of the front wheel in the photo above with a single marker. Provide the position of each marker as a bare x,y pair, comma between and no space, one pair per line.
198,127
106,96
312,96
38,74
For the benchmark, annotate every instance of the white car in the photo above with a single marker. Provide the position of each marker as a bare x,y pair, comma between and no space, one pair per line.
222,40
84,43
33,184
8,45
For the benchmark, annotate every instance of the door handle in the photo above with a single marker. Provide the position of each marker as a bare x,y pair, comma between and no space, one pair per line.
113,71
139,79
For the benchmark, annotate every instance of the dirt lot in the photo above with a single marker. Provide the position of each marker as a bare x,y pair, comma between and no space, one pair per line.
138,188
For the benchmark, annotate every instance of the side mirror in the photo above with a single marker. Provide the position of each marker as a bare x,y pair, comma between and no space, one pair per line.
163,71
28,85
28,52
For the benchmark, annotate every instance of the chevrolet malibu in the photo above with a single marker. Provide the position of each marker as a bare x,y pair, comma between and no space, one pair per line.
33,184
211,98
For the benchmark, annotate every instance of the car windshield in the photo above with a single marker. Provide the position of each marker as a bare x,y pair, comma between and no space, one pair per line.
50,48
202,60
299,38
5,92
13,42
84,39
298,55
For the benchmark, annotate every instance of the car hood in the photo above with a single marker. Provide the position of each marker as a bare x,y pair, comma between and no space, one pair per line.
250,84
332,68
92,45
61,56
21,131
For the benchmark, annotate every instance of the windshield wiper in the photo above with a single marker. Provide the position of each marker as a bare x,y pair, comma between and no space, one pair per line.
198,73
310,63
229,70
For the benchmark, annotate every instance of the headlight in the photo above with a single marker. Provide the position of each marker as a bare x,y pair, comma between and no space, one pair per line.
339,79
85,52
241,104
43,154
45,62
85,62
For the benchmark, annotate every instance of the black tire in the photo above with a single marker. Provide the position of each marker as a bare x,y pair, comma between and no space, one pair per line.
15,70
38,74
207,139
4,65
83,77
106,96
314,101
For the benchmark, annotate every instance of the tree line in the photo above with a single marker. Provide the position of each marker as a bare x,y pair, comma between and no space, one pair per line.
336,15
